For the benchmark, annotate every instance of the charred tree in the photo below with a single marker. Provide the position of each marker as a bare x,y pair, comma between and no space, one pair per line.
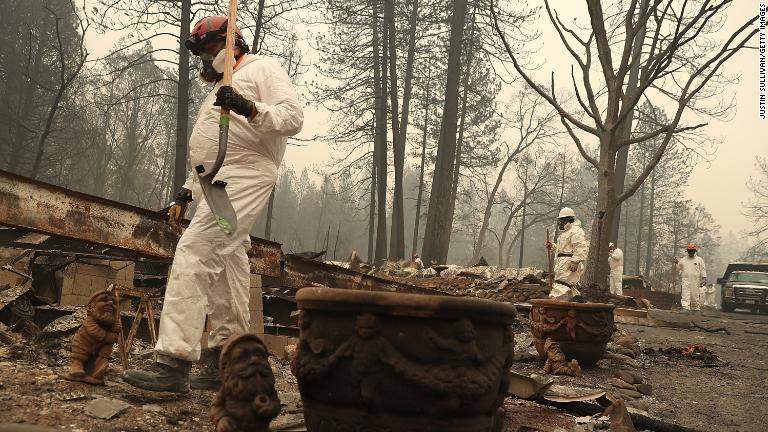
420,195
397,234
437,233
680,78
182,99
64,81
372,204
380,119
625,132
649,238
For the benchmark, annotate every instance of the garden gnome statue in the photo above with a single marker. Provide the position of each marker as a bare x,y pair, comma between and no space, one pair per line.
94,340
556,363
247,400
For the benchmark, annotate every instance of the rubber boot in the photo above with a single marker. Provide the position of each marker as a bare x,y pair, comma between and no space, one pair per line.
167,374
208,378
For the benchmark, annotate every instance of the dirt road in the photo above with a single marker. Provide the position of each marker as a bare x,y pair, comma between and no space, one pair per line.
728,392
732,397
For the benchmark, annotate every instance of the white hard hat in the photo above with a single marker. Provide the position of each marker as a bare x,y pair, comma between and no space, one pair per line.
566,212
610,244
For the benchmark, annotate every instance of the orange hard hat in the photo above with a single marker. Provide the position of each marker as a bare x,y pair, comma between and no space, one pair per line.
691,247
209,28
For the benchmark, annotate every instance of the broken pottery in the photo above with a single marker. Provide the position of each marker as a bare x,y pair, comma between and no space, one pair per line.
386,362
581,329
529,387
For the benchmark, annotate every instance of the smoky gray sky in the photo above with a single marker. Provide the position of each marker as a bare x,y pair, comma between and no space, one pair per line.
719,184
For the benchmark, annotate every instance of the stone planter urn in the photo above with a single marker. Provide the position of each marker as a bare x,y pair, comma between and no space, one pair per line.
582,329
387,362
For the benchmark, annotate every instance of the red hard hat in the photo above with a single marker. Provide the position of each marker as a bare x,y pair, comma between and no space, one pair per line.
212,27
691,247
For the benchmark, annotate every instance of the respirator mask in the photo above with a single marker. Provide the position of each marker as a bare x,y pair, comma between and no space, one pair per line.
564,223
212,66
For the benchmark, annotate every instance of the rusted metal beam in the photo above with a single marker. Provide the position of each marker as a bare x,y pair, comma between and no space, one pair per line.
42,207
264,257
54,210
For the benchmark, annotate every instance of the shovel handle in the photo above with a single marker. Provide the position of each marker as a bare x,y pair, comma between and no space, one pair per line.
222,151
224,117
550,276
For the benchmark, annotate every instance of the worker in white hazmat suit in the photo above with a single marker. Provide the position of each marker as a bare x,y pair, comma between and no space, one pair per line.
709,299
570,254
210,275
616,264
693,276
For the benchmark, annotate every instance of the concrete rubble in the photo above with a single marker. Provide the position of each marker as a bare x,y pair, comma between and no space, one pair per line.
510,285
105,408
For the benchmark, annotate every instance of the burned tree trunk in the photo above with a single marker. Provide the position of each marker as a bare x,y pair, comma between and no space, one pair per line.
380,119
417,218
64,82
622,156
182,99
372,205
397,235
462,121
480,243
639,237
649,237
522,221
597,270
640,225
437,233
257,31
131,153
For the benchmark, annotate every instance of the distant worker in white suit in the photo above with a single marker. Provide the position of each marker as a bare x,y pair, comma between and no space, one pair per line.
616,263
694,276
570,252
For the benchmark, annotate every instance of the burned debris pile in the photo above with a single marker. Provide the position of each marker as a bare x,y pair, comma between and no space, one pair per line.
509,285
697,355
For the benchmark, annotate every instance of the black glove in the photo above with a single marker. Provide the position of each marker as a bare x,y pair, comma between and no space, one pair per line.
229,98
183,197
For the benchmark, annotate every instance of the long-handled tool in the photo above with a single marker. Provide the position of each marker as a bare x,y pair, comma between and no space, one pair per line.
674,277
214,190
550,276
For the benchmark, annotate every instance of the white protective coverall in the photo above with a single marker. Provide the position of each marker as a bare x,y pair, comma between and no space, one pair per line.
616,263
709,297
210,274
572,247
693,273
